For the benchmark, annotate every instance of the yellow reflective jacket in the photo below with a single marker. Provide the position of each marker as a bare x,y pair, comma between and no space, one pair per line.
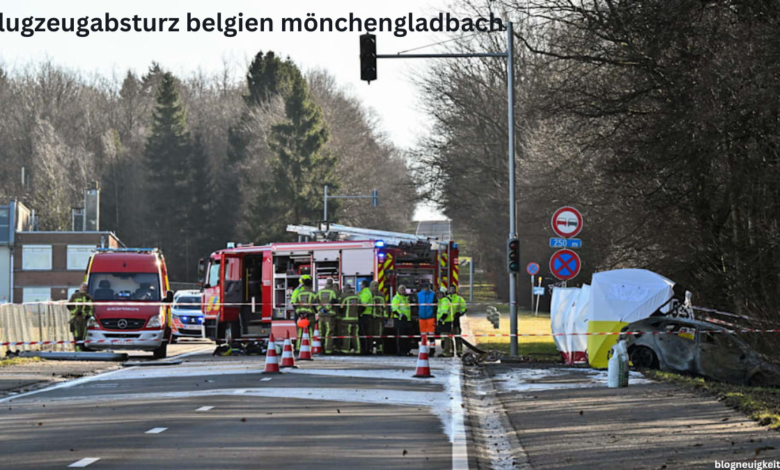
401,307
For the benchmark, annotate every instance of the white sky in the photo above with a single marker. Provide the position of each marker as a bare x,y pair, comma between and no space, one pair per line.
393,97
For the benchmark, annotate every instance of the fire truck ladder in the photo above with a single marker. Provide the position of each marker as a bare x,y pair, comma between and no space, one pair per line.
333,232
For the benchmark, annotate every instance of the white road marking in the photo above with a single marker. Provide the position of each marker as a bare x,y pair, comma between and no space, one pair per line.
70,383
205,408
83,380
460,454
239,391
83,462
267,379
156,430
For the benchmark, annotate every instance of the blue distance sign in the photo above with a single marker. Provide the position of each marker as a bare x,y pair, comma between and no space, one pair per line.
565,243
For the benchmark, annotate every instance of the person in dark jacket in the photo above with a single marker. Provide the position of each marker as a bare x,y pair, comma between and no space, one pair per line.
81,310
426,312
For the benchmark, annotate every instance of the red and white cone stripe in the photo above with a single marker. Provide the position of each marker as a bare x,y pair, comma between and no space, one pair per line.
305,352
423,368
288,360
316,346
271,360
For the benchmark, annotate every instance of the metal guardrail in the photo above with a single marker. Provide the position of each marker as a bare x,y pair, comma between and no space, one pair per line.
31,323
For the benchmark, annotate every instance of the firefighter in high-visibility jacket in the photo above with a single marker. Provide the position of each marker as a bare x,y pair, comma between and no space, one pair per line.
459,308
304,304
81,310
328,300
379,316
349,326
402,314
301,280
366,317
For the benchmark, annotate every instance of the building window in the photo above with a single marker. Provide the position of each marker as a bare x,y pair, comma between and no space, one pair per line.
36,257
5,224
36,294
78,257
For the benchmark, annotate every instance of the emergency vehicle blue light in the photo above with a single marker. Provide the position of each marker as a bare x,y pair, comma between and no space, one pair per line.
381,256
379,244
454,245
185,319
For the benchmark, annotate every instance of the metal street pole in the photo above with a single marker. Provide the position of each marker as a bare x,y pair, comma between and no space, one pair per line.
471,280
510,85
325,214
510,79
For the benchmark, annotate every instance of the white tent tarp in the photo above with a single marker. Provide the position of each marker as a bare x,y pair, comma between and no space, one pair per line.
618,298
627,295
567,316
560,306
577,345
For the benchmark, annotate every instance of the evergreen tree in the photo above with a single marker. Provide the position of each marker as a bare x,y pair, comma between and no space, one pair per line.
267,77
300,168
200,224
151,80
167,157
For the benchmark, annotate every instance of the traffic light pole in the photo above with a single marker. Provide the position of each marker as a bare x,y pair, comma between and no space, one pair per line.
510,84
510,92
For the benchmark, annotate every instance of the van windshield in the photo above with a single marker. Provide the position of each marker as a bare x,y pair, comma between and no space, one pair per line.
188,303
143,287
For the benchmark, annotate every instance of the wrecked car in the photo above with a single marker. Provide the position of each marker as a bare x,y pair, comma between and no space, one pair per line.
697,348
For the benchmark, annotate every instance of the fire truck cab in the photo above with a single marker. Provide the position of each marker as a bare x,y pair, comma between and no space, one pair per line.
132,300
247,289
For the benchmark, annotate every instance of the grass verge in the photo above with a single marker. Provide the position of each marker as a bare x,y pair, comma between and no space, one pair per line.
759,403
15,361
541,348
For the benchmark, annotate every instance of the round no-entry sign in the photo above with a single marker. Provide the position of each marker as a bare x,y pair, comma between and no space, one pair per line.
565,264
567,222
532,268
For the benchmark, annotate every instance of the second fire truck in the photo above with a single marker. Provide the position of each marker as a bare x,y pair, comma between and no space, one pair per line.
247,289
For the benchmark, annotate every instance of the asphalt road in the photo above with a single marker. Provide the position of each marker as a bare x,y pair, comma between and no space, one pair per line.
34,375
222,413
566,418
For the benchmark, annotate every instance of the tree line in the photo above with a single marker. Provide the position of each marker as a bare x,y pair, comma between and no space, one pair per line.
659,120
188,163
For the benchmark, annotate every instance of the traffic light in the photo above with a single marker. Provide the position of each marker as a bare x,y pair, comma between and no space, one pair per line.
513,255
368,57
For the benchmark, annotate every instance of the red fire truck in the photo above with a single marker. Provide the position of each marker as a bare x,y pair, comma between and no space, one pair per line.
247,289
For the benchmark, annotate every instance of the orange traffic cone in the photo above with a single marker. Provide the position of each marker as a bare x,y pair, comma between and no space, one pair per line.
423,368
305,353
271,361
316,345
288,360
